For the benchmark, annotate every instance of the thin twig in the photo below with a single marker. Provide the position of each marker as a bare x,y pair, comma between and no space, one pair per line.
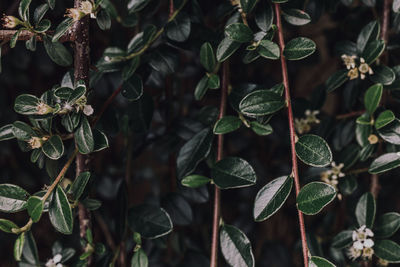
292,130
217,191
350,115
106,104
25,35
385,20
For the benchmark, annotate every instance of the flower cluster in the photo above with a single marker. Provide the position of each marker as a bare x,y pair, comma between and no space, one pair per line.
84,9
354,71
303,125
10,22
332,175
55,261
362,244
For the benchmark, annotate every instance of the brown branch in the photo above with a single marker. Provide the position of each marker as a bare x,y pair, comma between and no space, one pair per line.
385,20
109,100
25,35
171,8
292,130
217,191
350,115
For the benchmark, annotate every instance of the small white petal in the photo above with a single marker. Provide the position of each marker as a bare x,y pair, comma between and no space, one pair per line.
368,243
57,258
358,245
368,232
88,110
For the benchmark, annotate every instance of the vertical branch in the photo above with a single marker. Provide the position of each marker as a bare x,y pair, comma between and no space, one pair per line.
385,20
293,136
217,191
81,72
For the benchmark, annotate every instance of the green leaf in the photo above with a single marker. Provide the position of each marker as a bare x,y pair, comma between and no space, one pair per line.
370,3
150,221
236,247
14,38
271,197
313,197
336,80
268,49
384,118
194,151
35,207
19,246
213,81
232,172
373,50
247,5
137,5
343,239
373,97
57,52
60,212
54,147
368,34
100,140
30,252
365,210
7,226
43,26
31,43
79,185
391,132
195,180
130,68
299,48
84,137
132,89
264,16
387,250
226,48
39,13
77,93
23,9
201,88
260,103
227,124
179,29
26,104
316,261
103,19
12,198
22,131
139,259
178,208
383,74
385,163
261,129
239,32
296,17
62,28
387,224
6,132
51,3
207,57
313,150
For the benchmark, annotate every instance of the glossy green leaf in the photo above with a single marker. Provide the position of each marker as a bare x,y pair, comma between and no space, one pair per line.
365,210
53,148
296,17
261,129
313,197
62,28
150,221
60,212
195,180
130,68
227,124
260,103
271,197
213,81
236,247
194,151
264,16
139,259
39,13
23,9
22,131
43,26
299,48
313,150
268,49
316,261
239,32
51,3
35,207
343,239
103,19
372,98
84,137
7,226
12,198
30,252
387,224
373,50
132,89
178,209
247,5
201,88
207,57
6,132
387,250
232,172
383,74
14,38
179,29
79,185
19,246
26,104
391,132
226,48
384,118
57,52
336,80
100,140
77,93
369,33
385,163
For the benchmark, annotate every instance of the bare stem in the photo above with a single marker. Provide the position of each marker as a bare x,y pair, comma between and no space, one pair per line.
385,20
217,191
350,115
295,172
25,35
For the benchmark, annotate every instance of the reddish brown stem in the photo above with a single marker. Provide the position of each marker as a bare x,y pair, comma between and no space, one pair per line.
350,114
109,100
217,191
171,8
385,20
6,35
295,172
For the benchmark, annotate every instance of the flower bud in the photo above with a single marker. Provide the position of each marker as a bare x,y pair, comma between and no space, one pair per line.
10,22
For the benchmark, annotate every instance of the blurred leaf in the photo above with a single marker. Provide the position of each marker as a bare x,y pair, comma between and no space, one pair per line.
195,180
373,97
387,250
387,224
139,259
296,17
236,247
365,210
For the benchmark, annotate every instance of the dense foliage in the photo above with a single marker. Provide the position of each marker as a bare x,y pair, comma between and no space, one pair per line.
199,133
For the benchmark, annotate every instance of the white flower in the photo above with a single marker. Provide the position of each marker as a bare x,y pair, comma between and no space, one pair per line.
55,261
88,110
349,61
331,176
353,74
35,142
86,7
353,253
362,245
74,13
303,125
364,68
